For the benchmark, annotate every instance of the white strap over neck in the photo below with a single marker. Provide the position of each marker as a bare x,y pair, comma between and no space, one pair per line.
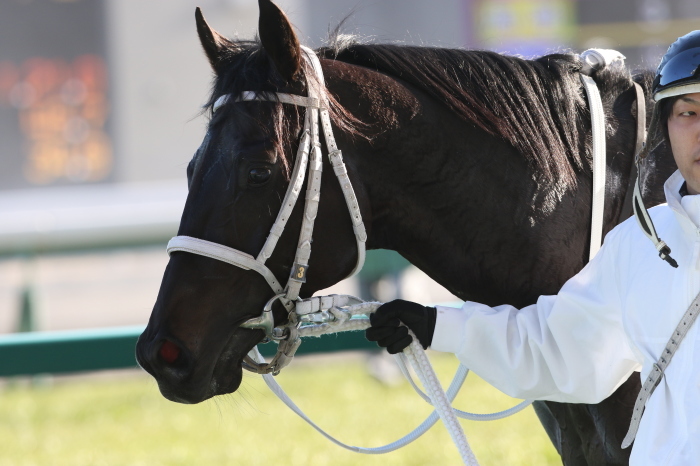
599,163
595,60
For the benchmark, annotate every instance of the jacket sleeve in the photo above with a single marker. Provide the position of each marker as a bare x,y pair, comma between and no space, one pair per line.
571,347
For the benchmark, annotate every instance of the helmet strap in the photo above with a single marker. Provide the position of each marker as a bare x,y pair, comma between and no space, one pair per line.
640,212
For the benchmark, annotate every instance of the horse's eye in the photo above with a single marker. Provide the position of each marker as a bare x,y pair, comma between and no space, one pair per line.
258,175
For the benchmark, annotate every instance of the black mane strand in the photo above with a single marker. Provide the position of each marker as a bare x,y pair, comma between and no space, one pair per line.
536,105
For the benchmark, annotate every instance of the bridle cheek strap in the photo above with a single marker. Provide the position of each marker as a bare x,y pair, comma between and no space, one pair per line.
308,156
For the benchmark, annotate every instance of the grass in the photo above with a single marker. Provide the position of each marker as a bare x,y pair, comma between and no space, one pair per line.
123,420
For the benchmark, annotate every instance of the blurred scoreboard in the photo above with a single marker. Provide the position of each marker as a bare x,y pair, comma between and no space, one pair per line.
103,91
54,94
641,29
525,27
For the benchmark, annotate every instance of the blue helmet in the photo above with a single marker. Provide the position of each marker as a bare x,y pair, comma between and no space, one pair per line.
679,70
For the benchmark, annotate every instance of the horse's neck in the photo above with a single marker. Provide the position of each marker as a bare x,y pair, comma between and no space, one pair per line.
454,201
460,204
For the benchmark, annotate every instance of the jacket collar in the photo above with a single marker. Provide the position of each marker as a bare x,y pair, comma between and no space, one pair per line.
685,210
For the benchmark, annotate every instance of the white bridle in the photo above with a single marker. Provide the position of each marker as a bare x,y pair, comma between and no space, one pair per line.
340,320
309,154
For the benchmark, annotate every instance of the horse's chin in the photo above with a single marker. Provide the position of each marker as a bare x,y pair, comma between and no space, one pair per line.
218,384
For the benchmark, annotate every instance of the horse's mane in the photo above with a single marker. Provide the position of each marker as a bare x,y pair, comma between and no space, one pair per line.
537,105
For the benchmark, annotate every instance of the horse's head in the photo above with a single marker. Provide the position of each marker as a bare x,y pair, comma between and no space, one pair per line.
194,345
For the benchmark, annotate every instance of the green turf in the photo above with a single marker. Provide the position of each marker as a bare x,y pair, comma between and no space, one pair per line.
125,421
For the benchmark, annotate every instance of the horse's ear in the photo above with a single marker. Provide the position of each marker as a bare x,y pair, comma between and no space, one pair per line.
278,40
214,43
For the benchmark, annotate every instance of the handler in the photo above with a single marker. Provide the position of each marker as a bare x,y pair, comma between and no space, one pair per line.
614,317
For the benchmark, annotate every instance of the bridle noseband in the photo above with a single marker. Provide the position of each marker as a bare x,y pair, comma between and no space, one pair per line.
308,156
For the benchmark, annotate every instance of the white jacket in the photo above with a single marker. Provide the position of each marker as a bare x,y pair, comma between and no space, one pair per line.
611,319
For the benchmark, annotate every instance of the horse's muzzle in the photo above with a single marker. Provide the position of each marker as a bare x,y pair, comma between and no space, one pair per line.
181,375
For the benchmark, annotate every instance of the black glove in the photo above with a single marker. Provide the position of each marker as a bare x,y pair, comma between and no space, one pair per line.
387,330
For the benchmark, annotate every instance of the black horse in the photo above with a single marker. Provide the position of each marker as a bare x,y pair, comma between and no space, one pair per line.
474,166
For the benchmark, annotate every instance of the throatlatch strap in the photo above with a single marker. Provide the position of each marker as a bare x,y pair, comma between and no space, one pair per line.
659,367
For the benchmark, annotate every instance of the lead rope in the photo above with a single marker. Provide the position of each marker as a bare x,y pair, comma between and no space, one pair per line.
461,414
335,319
439,399
419,360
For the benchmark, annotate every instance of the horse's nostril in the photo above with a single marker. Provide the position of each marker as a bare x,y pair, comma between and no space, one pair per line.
169,352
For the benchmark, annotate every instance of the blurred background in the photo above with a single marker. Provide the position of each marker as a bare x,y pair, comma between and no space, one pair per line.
100,113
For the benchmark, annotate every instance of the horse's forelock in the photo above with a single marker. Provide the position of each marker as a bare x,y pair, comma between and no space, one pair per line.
246,68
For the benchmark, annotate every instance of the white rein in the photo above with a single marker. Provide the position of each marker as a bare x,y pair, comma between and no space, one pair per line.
340,313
